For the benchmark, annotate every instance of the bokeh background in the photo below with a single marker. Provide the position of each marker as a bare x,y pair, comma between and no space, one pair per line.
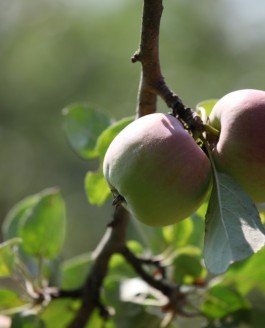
57,52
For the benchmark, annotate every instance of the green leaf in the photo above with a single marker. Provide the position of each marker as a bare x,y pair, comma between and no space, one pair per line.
75,270
43,227
96,186
233,227
249,274
106,137
8,255
206,105
178,235
83,125
15,216
27,321
9,300
59,313
187,266
220,301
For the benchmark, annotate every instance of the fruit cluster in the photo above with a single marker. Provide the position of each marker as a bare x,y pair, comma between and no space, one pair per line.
158,172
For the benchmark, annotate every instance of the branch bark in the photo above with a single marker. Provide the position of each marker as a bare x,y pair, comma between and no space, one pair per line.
152,82
113,240
148,55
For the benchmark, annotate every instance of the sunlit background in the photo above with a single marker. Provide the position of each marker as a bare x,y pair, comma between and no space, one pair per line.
57,52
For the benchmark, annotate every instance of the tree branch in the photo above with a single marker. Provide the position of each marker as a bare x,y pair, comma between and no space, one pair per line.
177,300
148,55
152,83
113,240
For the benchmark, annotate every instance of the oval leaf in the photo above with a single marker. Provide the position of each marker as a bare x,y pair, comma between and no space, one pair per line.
96,187
16,215
8,255
83,125
43,228
233,227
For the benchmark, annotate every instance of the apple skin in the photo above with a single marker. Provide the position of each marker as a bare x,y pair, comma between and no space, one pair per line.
240,150
158,169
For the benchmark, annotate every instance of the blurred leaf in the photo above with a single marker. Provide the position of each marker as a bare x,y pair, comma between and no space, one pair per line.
75,270
96,187
197,236
177,235
119,269
233,227
187,266
152,238
135,246
59,313
248,274
8,256
206,105
16,215
220,301
43,227
9,300
96,321
27,321
106,137
83,125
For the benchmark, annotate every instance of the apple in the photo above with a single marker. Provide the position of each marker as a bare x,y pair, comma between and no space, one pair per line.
240,150
156,170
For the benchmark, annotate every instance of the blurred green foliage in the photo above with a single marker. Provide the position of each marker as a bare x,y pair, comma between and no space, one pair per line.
55,53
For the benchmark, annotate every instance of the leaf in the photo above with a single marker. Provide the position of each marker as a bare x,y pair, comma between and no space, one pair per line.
83,125
106,137
14,217
248,275
43,227
9,300
96,187
8,255
178,235
187,266
233,229
59,313
220,301
206,105
75,270
27,321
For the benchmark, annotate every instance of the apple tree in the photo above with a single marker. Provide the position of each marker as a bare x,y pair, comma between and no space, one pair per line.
184,246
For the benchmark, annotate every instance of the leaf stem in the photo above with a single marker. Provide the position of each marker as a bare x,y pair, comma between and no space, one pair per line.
210,129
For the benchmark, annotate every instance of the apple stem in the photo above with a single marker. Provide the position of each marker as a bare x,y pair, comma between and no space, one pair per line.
210,129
